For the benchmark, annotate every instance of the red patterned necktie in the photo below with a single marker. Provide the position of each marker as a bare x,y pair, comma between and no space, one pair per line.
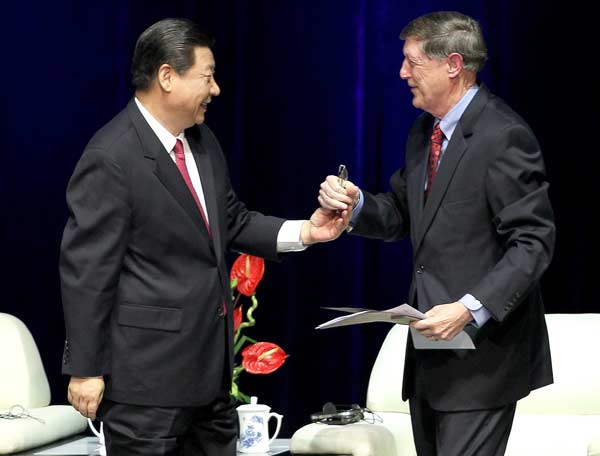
180,162
437,137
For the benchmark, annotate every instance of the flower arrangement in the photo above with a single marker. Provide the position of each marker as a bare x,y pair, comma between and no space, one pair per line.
259,357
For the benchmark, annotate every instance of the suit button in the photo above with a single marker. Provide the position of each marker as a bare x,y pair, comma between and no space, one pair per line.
420,269
220,312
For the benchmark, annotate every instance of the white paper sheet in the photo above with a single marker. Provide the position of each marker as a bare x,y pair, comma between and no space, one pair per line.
403,315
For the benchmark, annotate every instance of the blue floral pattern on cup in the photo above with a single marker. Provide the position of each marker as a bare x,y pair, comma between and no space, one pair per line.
254,432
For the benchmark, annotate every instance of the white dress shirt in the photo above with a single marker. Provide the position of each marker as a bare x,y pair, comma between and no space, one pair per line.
288,238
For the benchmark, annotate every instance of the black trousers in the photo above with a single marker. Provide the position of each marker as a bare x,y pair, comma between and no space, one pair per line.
133,430
465,433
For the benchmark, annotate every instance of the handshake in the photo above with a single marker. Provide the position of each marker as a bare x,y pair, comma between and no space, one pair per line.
337,198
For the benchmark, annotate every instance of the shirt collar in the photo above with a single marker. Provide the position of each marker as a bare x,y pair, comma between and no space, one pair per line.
164,135
450,120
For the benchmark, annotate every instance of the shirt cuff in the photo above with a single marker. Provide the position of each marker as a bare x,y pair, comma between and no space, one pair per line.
288,238
478,311
358,207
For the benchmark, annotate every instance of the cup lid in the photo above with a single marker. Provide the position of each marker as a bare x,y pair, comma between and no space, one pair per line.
253,406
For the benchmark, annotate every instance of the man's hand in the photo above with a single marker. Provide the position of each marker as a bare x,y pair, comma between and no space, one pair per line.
444,321
335,197
324,225
85,395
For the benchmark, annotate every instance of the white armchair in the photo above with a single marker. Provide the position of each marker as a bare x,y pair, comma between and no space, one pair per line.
562,419
23,382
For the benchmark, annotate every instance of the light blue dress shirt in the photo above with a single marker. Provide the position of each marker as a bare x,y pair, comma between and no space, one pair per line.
448,125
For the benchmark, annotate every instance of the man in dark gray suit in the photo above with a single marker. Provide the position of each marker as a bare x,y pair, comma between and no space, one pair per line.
473,197
145,287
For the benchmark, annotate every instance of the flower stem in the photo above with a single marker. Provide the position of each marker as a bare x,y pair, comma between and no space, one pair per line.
237,371
249,312
241,342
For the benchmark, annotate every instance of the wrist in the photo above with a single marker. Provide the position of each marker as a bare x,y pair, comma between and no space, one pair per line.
305,237
467,315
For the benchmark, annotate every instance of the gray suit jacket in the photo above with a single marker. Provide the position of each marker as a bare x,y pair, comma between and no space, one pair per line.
486,229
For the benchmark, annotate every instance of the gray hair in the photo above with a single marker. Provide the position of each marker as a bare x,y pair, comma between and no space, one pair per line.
445,32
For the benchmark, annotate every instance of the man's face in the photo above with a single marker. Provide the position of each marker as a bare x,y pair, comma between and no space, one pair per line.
194,89
427,78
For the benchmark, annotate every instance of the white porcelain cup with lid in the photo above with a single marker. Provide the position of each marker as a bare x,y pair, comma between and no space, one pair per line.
254,427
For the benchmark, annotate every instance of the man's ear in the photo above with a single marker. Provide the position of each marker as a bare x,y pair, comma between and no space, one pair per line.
455,64
165,77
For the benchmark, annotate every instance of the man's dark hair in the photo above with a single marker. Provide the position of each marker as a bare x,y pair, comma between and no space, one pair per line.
170,41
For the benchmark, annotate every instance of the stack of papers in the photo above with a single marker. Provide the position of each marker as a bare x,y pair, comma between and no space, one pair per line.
403,315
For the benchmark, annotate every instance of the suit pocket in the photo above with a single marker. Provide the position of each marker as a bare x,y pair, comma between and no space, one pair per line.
150,317
461,195
458,203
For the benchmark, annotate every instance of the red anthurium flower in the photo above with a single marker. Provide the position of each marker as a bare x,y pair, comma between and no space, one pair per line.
248,270
237,318
263,358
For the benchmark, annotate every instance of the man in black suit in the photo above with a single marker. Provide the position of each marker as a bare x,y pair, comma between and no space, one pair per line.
145,286
473,197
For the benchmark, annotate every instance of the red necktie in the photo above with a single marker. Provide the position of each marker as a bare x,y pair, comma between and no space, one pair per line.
180,162
437,137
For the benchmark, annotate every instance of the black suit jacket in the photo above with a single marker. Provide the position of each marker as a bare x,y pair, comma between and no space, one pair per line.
143,285
486,229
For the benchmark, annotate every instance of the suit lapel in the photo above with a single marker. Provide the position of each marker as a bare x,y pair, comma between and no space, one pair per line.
169,175
207,177
452,157
416,182
165,169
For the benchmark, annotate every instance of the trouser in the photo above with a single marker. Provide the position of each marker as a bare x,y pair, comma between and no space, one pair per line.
133,430
463,433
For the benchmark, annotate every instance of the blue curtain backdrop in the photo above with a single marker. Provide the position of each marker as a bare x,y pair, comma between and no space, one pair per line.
305,86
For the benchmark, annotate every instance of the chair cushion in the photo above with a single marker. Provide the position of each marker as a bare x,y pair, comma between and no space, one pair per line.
356,439
26,383
554,435
21,434
576,374
401,428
